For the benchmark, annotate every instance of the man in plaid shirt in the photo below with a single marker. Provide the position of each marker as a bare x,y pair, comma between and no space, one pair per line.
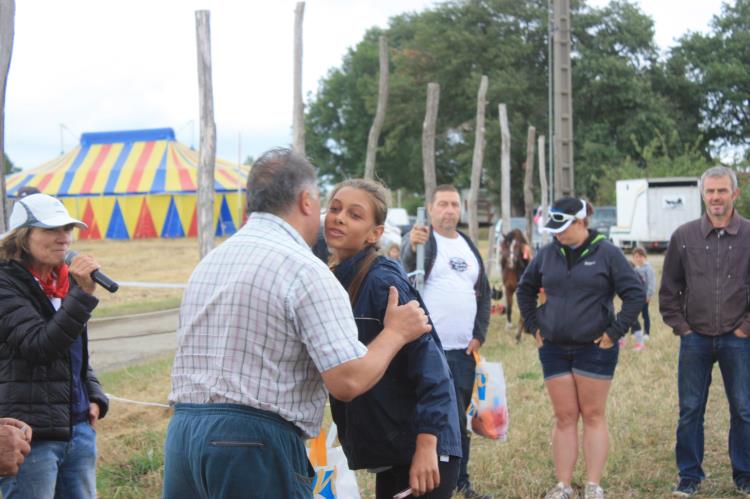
265,329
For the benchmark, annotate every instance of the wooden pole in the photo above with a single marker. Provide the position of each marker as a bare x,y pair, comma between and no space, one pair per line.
543,186
7,20
478,158
298,116
563,100
528,179
504,167
377,124
207,151
428,140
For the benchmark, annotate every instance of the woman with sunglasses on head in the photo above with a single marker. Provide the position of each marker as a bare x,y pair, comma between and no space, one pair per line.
576,331
46,379
405,429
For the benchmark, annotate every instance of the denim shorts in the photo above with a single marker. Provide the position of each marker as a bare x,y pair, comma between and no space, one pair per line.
585,360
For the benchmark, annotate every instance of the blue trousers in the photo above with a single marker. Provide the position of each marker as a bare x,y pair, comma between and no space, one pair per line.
463,369
57,470
698,353
216,451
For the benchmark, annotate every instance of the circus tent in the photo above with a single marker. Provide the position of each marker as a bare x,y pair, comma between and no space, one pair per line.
136,184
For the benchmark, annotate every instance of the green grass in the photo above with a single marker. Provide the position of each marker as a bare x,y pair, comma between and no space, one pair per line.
642,414
127,308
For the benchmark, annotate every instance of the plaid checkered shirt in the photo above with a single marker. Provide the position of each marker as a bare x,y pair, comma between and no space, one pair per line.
260,319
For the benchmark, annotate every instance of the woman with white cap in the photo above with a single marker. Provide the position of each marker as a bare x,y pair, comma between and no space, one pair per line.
45,377
576,330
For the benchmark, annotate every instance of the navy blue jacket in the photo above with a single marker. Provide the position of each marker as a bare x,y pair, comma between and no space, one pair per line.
415,395
579,306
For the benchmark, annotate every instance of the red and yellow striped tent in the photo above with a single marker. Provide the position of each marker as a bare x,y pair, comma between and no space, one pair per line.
136,184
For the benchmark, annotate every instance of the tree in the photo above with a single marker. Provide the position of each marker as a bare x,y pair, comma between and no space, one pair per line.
623,93
9,166
716,66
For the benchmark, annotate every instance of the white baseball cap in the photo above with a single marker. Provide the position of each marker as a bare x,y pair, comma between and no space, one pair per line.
41,210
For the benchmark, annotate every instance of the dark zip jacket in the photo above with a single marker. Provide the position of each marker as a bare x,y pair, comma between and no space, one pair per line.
481,287
579,306
35,365
705,284
415,395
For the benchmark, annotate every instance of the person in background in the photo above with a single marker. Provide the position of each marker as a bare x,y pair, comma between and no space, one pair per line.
394,252
454,282
265,329
576,331
406,426
15,437
48,383
648,278
704,298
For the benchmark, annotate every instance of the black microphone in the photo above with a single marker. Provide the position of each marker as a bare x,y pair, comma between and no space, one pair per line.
98,276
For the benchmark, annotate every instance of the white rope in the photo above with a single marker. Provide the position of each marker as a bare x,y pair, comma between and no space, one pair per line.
136,402
138,284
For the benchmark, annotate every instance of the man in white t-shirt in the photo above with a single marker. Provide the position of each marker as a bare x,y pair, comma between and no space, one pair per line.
457,295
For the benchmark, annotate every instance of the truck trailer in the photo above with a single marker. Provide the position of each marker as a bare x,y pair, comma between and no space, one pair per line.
650,209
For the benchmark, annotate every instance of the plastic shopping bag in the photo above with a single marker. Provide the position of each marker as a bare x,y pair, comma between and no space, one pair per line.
333,478
488,411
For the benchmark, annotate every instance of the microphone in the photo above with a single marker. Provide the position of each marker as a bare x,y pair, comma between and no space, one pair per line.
98,276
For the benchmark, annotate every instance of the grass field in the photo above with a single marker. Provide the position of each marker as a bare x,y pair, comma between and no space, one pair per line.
642,408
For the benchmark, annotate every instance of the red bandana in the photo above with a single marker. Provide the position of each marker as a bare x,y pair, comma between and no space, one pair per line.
57,284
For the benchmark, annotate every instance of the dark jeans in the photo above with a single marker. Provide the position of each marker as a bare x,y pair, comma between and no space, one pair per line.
697,356
226,451
646,321
390,482
463,368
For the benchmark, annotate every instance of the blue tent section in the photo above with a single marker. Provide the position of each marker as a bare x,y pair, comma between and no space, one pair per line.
117,228
172,224
225,225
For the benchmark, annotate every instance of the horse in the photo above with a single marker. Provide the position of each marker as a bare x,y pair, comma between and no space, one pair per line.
515,257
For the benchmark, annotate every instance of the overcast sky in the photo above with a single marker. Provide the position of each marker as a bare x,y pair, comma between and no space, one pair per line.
99,65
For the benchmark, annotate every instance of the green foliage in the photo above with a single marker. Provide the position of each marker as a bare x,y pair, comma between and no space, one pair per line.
624,95
717,66
9,166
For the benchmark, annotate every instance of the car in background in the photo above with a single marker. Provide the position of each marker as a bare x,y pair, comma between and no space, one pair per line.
604,218
400,218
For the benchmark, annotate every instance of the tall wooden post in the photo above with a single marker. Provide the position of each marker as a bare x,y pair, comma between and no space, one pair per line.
207,152
504,167
563,101
428,140
298,115
7,20
377,123
543,186
528,179
476,163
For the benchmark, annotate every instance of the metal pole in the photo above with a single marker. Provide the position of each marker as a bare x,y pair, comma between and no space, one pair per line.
420,253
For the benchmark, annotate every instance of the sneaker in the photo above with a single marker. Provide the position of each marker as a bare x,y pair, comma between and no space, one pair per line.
593,491
646,338
560,491
686,488
638,347
469,493
743,487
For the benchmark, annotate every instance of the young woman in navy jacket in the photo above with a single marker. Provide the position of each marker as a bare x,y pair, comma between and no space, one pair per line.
405,429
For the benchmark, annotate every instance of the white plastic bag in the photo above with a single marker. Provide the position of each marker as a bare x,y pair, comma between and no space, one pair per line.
488,413
333,478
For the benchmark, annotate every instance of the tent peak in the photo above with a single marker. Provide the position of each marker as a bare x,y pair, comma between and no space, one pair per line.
146,135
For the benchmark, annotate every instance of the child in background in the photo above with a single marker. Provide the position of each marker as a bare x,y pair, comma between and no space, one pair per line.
646,273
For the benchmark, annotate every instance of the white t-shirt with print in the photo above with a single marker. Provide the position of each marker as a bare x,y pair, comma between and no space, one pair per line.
449,291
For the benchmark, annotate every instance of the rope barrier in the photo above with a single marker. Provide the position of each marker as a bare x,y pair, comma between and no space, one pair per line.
137,402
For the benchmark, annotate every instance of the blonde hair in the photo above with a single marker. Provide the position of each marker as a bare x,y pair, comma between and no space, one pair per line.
15,246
